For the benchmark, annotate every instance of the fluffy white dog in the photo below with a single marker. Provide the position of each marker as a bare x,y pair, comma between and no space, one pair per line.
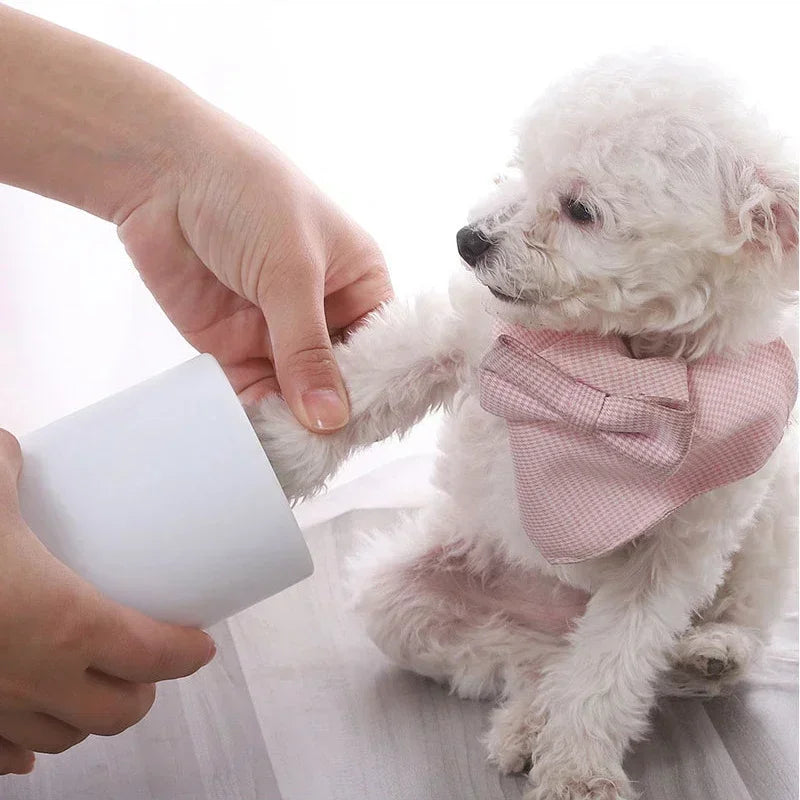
648,204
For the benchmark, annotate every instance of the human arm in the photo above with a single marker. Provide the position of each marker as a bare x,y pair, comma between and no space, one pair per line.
245,255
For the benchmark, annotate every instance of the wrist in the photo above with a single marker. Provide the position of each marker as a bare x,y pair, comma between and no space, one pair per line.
158,157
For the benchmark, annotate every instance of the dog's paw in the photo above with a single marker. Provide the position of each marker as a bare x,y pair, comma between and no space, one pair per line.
511,737
595,787
558,776
302,461
521,739
711,657
568,766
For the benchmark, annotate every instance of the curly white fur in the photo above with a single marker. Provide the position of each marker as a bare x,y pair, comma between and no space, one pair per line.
691,249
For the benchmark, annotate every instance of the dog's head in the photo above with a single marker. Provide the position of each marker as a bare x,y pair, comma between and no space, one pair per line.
648,201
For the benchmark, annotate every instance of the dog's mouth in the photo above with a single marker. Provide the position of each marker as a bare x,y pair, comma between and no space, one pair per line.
517,299
504,297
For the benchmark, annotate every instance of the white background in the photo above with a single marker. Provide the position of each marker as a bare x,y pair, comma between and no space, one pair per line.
400,111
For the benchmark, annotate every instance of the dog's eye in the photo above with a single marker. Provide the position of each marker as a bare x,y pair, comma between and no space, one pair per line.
578,211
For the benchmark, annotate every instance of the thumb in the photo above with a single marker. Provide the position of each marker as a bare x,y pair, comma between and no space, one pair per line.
10,467
132,646
307,373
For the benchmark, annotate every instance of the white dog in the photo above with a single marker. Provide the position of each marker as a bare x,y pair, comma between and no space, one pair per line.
652,206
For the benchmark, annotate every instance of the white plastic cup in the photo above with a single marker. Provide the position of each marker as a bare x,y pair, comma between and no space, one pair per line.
162,497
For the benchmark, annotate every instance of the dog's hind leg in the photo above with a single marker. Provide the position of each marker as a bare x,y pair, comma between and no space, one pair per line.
441,608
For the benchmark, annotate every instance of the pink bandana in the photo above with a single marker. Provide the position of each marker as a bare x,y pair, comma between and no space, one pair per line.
604,445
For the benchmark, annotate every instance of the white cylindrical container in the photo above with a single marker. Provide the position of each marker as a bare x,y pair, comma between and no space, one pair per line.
162,497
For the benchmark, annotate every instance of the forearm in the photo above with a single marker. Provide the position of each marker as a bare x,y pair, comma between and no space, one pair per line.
82,122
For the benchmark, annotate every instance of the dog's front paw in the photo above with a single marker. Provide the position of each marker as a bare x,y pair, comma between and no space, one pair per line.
590,787
560,775
566,767
520,739
302,461
512,734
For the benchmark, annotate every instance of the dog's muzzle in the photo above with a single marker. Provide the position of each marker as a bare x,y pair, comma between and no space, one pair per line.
471,245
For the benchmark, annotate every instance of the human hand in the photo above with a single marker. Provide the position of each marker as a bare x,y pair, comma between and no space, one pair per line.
245,255
72,662
255,265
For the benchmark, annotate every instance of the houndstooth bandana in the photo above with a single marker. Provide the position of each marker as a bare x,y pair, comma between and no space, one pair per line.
605,445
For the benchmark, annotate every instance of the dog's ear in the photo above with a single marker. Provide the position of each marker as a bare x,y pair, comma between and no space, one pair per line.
765,208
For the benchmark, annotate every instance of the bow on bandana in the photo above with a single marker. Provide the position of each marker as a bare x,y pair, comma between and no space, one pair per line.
524,388
604,445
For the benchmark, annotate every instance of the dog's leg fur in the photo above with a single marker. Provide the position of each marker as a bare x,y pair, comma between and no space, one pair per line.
729,635
407,585
593,700
405,361
462,616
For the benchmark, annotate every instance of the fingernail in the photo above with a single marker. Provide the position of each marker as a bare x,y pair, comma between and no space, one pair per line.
325,409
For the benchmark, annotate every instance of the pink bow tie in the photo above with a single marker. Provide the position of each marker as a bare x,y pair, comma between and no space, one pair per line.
605,445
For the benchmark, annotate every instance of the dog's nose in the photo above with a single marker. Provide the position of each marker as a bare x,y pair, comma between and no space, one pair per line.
471,245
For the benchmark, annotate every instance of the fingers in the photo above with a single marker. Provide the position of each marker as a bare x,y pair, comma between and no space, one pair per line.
15,760
253,379
107,706
103,705
10,467
10,461
350,304
307,372
39,732
9,450
135,648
